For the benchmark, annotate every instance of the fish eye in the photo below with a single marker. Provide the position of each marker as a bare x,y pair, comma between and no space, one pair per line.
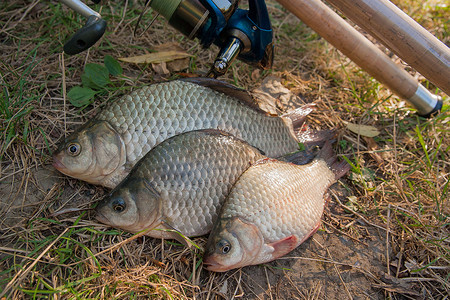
73,149
224,246
118,205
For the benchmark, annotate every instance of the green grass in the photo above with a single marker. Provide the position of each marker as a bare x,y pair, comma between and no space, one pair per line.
17,102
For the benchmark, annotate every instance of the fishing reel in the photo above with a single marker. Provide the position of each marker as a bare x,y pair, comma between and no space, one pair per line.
243,34
239,33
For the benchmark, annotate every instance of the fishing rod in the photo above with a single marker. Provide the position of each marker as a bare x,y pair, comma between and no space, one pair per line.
370,58
247,35
404,36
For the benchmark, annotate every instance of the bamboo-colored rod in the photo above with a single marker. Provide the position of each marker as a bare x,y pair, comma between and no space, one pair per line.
404,36
353,44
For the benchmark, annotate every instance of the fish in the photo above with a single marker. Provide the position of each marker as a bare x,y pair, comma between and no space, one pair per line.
272,208
178,187
105,149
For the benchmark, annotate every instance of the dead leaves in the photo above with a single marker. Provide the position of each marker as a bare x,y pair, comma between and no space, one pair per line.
373,149
167,58
156,57
368,133
364,130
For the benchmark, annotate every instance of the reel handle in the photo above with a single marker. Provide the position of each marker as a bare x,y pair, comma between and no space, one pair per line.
86,36
90,33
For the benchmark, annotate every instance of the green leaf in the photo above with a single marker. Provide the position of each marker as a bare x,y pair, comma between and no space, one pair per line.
96,74
80,96
113,65
88,83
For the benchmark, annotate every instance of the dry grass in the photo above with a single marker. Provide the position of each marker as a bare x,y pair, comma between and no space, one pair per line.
396,196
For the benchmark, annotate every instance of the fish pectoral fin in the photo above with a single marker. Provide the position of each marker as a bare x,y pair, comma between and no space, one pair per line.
178,235
284,246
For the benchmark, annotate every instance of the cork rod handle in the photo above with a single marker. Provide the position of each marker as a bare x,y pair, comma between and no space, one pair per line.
355,46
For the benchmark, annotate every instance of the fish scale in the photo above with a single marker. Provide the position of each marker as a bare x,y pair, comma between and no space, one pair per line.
258,198
190,175
204,110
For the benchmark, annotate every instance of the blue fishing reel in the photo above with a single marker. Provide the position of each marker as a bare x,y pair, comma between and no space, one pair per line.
242,34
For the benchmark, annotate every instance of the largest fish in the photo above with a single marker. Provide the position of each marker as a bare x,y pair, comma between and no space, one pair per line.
104,150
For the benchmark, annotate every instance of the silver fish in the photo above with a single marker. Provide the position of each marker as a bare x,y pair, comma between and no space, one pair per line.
104,150
272,208
180,184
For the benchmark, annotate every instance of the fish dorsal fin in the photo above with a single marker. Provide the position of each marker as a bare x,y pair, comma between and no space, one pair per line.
284,246
243,96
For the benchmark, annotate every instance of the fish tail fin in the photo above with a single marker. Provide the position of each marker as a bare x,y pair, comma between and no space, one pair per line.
298,116
315,138
339,168
302,132
311,140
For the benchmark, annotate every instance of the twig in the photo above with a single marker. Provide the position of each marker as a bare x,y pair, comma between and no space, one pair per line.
269,290
397,178
400,256
387,238
22,17
292,283
238,286
30,258
387,244
337,263
64,86
194,262
357,214
113,247
6,249
344,233
123,16
68,210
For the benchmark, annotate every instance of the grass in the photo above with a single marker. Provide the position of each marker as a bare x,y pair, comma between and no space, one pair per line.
392,209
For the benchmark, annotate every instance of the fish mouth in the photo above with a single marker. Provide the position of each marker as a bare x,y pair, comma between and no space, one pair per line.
101,218
58,165
213,266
